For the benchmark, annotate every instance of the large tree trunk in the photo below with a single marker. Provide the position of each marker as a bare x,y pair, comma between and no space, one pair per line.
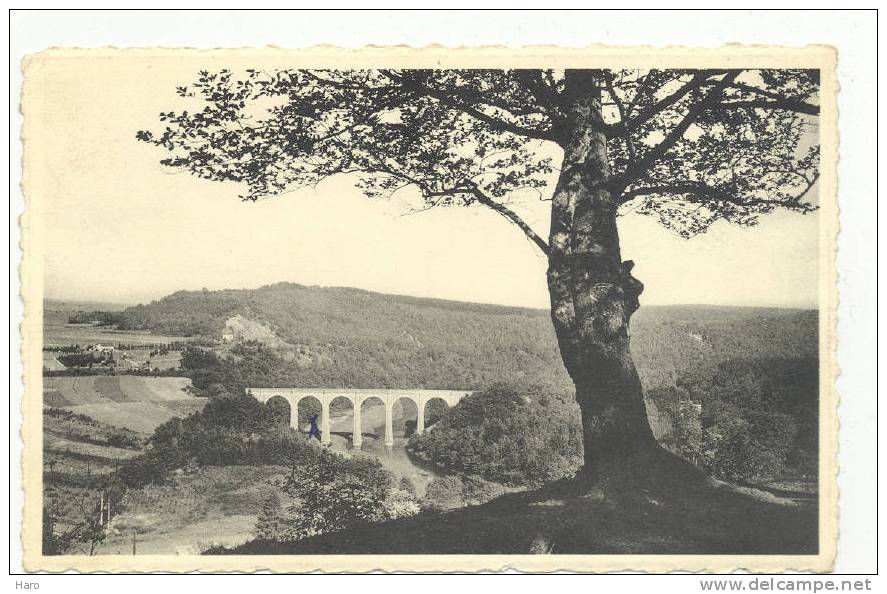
593,293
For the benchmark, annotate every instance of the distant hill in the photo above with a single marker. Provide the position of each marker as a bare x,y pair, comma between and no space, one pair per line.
71,305
335,336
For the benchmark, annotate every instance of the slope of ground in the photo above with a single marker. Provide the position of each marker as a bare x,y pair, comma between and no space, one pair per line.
210,507
142,417
137,403
678,519
143,389
55,444
80,456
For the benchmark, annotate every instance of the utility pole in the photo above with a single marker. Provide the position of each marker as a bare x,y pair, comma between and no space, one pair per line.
133,542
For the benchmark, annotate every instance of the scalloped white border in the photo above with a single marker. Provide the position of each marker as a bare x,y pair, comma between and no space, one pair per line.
746,56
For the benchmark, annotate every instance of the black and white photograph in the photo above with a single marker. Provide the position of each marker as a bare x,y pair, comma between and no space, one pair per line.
426,309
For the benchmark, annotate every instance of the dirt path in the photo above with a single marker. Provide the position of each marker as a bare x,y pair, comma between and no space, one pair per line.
190,539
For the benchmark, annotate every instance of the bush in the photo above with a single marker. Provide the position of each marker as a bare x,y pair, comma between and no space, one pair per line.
326,492
444,493
230,430
452,492
750,419
515,437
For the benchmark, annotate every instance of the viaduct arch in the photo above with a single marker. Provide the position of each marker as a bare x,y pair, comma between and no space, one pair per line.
357,398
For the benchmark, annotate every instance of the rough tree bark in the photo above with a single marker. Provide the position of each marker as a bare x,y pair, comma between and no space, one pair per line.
593,294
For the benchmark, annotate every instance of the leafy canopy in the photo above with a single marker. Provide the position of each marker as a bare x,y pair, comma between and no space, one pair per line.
688,146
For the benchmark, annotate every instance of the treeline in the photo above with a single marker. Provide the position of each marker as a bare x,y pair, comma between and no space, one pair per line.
369,340
230,430
102,318
326,492
84,359
105,370
154,347
70,348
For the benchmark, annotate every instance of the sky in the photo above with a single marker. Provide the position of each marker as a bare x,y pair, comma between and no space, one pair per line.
119,227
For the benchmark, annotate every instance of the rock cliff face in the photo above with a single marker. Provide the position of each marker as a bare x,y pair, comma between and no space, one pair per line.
244,329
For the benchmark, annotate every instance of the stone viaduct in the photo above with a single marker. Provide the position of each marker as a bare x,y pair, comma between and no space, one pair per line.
357,398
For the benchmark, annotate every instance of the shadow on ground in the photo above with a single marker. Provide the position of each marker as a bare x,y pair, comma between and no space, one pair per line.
672,516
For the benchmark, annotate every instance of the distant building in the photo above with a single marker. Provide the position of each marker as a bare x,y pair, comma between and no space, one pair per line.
227,336
129,363
105,350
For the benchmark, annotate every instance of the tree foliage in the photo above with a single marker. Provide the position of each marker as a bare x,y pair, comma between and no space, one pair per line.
689,147
80,532
326,492
230,430
747,419
525,437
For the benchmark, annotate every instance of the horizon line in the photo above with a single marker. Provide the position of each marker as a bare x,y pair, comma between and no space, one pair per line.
132,303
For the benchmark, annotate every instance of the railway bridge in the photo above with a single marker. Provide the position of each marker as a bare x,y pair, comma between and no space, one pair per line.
357,397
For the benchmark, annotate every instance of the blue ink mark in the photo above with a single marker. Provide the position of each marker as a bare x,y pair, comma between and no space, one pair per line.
314,431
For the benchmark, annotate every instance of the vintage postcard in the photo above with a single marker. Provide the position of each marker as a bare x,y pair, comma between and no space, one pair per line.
430,309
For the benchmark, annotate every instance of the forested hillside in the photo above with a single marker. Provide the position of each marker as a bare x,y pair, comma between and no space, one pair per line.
339,336
732,389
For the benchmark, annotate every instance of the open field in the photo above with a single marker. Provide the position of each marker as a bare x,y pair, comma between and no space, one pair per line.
98,389
58,332
168,360
83,334
132,402
142,417
51,362
54,444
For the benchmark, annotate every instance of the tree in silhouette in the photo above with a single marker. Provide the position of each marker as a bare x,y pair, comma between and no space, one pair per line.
689,147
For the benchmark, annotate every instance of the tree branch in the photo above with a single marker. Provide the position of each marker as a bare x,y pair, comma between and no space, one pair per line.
535,82
688,187
493,122
706,191
635,170
696,82
511,216
784,104
623,113
778,101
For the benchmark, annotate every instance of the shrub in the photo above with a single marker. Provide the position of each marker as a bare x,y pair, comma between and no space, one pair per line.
326,492
516,437
444,493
